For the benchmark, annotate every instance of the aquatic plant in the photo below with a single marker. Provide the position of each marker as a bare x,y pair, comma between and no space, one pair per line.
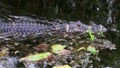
92,50
92,37
100,33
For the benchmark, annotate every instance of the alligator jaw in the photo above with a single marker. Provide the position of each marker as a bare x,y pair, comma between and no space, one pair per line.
82,28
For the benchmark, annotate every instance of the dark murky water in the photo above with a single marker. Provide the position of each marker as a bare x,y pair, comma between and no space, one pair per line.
106,12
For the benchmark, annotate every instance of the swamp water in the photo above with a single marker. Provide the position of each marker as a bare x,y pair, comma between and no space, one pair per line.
100,12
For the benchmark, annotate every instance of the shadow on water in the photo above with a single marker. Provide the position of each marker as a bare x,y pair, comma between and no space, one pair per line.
105,12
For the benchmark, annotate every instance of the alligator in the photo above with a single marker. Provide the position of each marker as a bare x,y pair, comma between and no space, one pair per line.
26,26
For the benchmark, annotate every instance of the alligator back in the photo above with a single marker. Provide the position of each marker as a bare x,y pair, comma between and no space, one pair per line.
27,26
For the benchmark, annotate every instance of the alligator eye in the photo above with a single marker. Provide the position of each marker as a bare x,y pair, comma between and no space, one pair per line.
53,27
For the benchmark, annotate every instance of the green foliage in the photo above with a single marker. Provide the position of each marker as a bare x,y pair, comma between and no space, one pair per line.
101,34
92,37
92,50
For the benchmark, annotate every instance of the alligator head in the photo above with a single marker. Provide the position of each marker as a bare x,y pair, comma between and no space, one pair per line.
80,27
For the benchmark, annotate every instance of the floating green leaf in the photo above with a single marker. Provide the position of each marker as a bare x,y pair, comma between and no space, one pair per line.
92,50
57,47
36,57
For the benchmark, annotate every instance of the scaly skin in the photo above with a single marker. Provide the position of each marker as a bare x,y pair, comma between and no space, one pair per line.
27,27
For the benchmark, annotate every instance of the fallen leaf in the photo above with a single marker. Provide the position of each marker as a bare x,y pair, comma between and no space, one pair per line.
81,48
4,52
62,66
57,47
36,57
41,47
